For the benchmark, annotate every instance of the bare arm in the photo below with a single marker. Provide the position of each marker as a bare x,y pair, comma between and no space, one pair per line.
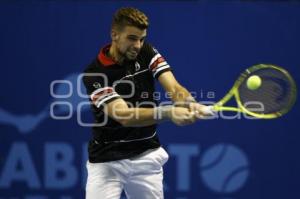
135,117
182,97
179,94
119,110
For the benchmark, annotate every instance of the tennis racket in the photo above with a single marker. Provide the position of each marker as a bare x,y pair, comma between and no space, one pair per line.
274,97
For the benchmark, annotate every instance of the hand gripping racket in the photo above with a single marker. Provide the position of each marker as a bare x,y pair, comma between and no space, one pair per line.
273,98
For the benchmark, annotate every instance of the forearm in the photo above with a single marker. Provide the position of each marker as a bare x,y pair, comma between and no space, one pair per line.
178,93
181,96
137,117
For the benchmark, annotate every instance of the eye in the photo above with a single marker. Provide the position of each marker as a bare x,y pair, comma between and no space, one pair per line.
132,38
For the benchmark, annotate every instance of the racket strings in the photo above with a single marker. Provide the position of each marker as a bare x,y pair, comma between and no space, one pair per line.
273,96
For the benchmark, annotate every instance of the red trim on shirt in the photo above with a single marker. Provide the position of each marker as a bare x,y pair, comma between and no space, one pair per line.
102,93
106,61
156,62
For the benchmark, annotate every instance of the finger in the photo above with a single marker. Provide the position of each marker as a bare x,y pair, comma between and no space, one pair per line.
198,115
192,118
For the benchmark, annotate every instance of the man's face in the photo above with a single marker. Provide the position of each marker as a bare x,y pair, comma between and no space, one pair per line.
129,41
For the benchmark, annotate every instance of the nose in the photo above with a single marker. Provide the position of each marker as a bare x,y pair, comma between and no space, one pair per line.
137,44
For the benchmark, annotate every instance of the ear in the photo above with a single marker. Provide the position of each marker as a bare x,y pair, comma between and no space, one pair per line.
114,35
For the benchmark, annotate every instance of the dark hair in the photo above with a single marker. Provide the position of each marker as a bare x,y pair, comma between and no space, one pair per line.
129,17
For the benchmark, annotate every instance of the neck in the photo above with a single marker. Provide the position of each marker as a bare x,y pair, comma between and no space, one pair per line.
115,55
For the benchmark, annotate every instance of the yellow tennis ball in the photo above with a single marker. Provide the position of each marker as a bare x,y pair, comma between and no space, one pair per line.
253,82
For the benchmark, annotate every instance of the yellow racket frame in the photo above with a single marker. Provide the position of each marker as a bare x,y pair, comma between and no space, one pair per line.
219,106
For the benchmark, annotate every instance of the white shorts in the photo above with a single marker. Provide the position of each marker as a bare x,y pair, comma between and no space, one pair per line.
140,177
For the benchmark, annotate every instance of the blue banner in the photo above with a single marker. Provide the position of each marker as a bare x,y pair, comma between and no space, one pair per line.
45,117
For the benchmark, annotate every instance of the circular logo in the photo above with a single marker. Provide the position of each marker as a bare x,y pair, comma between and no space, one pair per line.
224,168
137,66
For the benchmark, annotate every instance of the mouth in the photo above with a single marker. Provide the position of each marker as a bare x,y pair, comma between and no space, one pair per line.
133,53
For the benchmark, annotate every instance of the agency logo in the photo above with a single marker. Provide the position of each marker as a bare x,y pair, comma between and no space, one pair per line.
69,97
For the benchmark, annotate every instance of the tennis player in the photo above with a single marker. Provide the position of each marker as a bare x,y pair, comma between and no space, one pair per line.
125,152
